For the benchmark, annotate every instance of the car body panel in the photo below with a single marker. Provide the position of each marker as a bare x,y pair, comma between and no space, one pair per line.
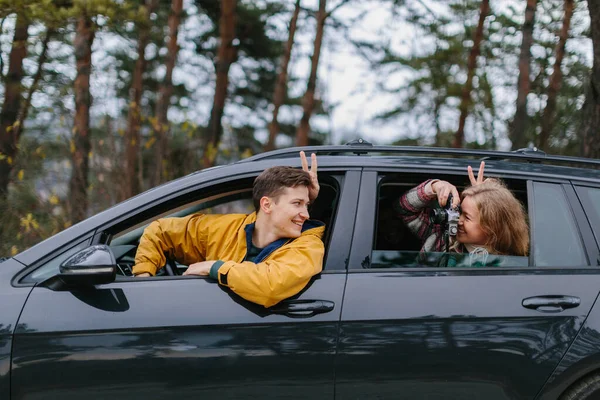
12,300
454,336
451,332
185,335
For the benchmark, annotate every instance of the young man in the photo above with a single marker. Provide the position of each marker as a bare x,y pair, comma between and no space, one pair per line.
264,257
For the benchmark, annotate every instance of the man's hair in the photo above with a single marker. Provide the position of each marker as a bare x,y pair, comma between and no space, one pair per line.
273,181
501,216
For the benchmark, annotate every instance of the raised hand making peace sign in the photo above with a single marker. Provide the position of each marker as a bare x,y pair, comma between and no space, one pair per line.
313,190
480,179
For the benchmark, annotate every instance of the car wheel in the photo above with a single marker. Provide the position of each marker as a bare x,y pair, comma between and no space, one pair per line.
587,388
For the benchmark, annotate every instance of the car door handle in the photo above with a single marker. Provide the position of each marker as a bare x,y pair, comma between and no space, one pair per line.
302,308
551,304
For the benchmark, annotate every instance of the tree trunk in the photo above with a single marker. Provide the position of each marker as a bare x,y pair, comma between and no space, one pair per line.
436,119
281,86
78,184
12,103
466,100
308,102
132,136
165,91
226,56
36,80
555,79
590,143
519,123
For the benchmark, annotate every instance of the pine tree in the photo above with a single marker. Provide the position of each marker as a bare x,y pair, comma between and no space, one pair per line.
133,170
227,55
308,101
591,120
556,78
281,87
518,126
165,91
471,65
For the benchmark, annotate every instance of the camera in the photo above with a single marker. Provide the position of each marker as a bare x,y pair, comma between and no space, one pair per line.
447,217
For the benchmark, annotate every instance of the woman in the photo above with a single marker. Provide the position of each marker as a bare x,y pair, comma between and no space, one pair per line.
492,220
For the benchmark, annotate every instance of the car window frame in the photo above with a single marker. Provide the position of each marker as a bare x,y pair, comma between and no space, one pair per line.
591,218
340,176
363,243
136,209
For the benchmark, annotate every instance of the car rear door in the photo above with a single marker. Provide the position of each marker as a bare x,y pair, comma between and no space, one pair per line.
182,337
468,333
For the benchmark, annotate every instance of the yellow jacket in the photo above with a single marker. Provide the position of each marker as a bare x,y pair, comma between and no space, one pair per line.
281,270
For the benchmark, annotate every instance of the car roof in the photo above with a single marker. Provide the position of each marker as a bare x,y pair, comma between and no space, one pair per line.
524,163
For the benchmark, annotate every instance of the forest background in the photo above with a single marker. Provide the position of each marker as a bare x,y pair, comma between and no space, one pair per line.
102,99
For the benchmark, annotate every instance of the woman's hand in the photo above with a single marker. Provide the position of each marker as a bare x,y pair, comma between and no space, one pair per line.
443,189
480,179
313,190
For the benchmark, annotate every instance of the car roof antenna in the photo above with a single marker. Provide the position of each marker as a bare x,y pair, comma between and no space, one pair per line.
359,142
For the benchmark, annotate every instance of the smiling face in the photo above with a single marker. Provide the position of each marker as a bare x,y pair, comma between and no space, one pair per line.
469,227
288,211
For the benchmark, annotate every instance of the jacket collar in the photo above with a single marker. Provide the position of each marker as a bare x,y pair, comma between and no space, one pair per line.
271,247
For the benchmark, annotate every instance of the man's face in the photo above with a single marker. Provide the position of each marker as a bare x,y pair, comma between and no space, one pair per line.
289,211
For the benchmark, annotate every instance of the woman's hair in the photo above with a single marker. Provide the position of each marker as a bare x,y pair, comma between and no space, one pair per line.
502,218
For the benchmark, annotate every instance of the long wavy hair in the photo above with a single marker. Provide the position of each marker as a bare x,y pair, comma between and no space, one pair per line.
501,216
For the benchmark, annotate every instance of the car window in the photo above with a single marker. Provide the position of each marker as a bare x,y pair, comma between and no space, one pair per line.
590,197
556,240
233,202
398,244
124,241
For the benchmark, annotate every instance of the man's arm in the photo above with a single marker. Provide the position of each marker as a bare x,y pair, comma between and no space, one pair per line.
181,238
285,273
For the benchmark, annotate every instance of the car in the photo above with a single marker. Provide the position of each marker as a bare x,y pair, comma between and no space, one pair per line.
378,322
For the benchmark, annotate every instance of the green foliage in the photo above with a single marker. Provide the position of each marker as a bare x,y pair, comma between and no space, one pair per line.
258,52
437,72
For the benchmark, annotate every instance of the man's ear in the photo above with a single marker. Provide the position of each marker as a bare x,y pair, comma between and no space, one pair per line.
266,204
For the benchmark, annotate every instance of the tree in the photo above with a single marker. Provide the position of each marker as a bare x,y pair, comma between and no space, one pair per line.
555,79
165,91
133,171
12,102
471,65
308,101
226,56
591,120
281,86
517,128
84,38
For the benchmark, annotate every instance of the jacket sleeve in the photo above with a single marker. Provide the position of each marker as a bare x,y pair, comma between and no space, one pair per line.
285,273
414,207
183,239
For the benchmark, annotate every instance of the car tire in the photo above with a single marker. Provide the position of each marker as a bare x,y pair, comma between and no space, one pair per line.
587,388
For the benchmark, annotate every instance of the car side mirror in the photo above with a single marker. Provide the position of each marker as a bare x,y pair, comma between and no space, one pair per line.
91,266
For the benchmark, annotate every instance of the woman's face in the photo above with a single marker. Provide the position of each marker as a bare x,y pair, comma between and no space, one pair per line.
469,228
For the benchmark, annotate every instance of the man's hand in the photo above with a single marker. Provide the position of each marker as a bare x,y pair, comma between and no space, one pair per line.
443,189
479,180
143,275
201,268
313,189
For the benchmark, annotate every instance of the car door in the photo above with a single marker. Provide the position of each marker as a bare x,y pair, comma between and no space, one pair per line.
185,337
471,333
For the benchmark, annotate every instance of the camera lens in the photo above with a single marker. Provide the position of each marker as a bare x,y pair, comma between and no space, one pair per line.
438,216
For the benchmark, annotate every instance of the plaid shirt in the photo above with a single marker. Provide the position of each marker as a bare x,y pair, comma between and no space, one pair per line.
414,207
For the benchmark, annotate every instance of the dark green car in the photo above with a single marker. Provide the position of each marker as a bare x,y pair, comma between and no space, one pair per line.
380,322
